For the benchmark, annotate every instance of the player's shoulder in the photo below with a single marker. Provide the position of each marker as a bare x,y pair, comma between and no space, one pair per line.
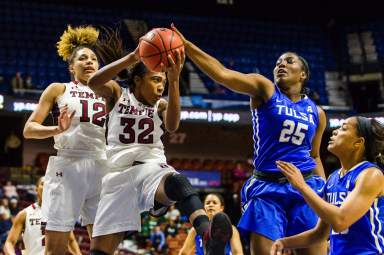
370,177
55,88
372,173
20,217
56,85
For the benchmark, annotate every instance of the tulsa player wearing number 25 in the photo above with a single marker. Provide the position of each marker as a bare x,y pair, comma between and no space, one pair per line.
73,178
28,223
354,194
287,126
139,179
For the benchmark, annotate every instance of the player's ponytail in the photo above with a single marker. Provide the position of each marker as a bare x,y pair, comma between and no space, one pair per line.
379,160
109,48
373,133
305,66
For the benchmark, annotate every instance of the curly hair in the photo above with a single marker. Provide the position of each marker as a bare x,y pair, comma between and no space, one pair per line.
74,39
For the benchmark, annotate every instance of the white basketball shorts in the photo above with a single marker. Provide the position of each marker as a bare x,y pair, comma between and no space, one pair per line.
125,195
72,187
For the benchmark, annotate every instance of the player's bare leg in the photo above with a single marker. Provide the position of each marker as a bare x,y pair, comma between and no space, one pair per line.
260,245
56,243
107,244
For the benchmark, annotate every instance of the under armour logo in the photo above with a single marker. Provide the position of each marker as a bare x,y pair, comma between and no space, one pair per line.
59,174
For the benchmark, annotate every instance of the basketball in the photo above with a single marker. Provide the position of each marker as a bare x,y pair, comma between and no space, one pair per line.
156,45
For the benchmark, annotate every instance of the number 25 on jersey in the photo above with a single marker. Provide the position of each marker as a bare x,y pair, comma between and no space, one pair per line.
293,132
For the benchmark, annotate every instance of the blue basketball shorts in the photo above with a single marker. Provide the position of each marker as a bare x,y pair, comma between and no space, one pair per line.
276,210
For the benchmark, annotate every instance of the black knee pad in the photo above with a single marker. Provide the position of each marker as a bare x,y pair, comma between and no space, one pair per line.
178,188
158,210
96,252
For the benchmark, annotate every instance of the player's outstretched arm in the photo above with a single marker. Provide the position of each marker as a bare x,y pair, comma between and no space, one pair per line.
73,246
171,110
189,243
14,233
33,127
101,81
369,186
253,85
306,239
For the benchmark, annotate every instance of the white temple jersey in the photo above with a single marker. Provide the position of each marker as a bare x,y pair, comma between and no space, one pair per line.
134,132
86,135
33,236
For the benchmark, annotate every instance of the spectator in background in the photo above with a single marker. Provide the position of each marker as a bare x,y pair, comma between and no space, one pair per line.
239,175
28,82
5,224
17,82
173,214
4,208
158,240
171,229
12,150
14,207
10,190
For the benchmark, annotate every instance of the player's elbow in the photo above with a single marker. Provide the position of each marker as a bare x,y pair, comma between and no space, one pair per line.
340,225
27,131
172,128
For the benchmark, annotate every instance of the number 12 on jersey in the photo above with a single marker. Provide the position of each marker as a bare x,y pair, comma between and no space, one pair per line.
293,133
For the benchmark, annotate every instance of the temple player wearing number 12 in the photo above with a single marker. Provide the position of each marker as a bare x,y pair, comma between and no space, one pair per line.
287,126
73,178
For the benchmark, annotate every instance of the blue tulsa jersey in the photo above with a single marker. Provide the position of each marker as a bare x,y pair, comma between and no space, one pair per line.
283,130
200,249
365,236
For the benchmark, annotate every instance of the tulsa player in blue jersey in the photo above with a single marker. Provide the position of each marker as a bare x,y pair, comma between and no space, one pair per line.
287,126
213,203
354,195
